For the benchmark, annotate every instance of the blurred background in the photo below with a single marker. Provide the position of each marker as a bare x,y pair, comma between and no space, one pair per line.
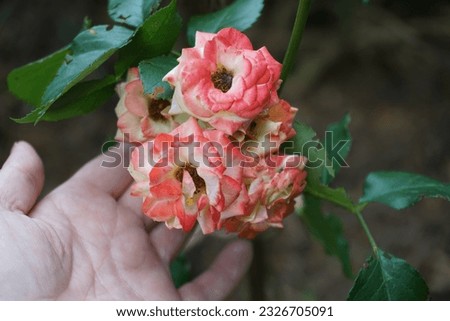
386,63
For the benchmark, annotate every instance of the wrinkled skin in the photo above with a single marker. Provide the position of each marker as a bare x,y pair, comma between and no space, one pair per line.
88,240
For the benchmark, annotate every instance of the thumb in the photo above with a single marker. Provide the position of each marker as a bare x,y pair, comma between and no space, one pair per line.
21,178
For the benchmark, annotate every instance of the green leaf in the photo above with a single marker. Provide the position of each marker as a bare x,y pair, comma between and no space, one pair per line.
131,12
180,270
306,143
241,14
386,277
327,229
400,190
304,135
81,99
318,163
155,37
338,142
30,81
152,71
89,50
336,196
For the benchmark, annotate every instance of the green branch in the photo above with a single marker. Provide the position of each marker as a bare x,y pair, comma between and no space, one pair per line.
296,37
339,197
366,229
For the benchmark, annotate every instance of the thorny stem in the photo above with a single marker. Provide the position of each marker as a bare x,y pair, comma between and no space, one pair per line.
288,61
296,37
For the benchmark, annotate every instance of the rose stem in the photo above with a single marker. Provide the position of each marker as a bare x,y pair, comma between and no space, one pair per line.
296,37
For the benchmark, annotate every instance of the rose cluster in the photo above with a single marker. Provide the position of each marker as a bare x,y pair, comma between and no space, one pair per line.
211,154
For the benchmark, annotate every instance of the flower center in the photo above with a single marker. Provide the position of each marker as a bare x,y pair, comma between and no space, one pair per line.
198,181
155,107
222,79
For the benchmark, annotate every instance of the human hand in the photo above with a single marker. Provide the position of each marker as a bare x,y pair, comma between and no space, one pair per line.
88,240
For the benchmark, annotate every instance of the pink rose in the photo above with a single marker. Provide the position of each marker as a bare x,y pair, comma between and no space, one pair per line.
140,116
272,188
183,178
223,81
268,130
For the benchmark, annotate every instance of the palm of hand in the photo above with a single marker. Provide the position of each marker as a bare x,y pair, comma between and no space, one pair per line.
87,240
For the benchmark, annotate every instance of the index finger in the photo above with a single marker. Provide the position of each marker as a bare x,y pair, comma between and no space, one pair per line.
223,276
